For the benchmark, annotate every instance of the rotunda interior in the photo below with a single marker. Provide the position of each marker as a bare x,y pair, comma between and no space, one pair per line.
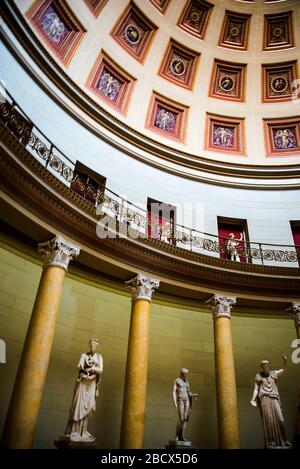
150,202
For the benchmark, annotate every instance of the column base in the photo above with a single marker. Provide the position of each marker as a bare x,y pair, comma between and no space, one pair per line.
65,443
177,444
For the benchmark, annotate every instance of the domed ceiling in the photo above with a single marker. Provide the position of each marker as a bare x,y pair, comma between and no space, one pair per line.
216,80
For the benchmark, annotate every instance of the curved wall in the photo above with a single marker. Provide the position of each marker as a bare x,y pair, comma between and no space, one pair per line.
268,212
178,337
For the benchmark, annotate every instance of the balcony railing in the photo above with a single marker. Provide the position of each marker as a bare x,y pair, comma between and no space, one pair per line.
133,220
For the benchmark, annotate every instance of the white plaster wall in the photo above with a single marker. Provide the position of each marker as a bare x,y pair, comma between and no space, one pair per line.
268,212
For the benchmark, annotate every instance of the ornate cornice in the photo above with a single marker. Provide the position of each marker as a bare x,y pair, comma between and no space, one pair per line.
210,167
26,181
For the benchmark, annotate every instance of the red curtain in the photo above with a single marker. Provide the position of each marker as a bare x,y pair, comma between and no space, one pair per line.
223,231
296,236
158,221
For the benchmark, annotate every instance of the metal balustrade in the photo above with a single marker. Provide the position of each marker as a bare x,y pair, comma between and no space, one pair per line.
134,221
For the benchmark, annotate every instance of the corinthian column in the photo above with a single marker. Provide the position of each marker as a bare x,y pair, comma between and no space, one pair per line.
294,311
27,394
228,429
135,389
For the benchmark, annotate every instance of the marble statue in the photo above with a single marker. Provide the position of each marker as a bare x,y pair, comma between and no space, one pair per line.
266,396
90,368
231,247
182,398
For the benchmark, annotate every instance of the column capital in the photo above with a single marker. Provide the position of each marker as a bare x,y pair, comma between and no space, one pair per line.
58,252
221,306
142,287
294,312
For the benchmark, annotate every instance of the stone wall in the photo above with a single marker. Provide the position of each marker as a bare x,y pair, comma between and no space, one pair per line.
179,336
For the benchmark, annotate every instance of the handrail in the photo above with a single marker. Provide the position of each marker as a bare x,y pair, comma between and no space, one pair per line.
136,218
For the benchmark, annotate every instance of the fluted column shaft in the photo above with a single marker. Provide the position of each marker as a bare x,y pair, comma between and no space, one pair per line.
228,428
27,393
135,388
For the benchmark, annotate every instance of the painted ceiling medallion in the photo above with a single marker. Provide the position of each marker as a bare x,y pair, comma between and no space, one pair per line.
234,34
278,80
58,26
234,31
109,85
227,83
279,84
282,136
178,66
225,134
285,138
53,27
167,118
132,34
278,31
195,16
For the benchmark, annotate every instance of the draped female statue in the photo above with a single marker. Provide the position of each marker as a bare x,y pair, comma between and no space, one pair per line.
90,368
266,396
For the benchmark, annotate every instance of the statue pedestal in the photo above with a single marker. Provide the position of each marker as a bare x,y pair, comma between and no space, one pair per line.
290,446
66,443
177,444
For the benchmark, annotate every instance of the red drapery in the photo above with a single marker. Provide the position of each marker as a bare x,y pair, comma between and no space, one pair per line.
296,236
156,224
223,231
160,220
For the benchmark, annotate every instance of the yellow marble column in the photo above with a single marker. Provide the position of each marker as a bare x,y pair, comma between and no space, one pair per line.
135,388
228,428
27,394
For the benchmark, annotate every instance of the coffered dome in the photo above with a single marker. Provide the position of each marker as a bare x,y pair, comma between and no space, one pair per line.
204,80
150,144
